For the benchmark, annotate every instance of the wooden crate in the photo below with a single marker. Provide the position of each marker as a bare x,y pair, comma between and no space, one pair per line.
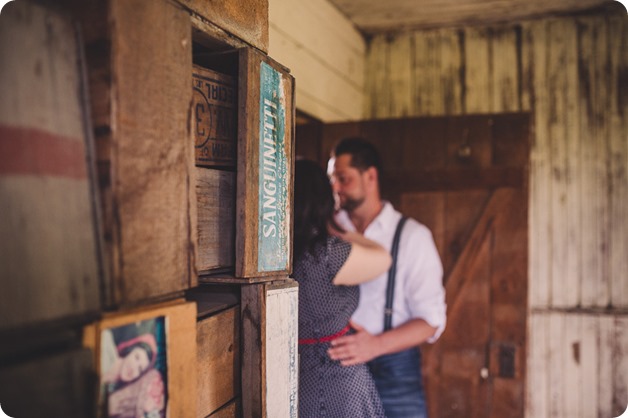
140,74
176,325
215,191
218,346
214,119
270,349
59,385
231,410
50,266
265,167
246,19
218,360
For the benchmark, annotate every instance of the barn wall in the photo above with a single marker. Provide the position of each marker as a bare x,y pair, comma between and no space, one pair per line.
571,73
325,54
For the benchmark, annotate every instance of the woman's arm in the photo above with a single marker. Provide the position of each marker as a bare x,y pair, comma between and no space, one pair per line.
366,261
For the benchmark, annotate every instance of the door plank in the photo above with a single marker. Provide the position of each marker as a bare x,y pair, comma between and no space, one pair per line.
593,116
618,153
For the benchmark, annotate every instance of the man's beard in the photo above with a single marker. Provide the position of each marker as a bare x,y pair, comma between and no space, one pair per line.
350,204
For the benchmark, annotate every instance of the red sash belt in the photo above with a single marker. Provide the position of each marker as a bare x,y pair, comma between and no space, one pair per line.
326,338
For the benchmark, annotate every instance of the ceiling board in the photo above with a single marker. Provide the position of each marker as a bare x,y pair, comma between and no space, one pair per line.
373,16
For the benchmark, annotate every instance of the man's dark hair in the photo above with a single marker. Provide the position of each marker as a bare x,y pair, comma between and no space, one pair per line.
363,154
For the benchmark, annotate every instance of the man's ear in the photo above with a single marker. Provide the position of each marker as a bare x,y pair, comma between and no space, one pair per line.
372,175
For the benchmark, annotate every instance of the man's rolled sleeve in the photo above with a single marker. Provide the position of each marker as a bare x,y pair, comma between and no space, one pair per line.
425,294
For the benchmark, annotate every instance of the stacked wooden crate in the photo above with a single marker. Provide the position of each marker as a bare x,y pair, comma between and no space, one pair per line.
187,180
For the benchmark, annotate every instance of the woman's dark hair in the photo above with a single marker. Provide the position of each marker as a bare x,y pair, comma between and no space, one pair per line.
313,207
126,350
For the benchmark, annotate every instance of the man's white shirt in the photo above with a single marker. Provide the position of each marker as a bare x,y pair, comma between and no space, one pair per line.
419,291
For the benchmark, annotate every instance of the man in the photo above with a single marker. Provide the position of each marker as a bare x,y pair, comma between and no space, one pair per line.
418,298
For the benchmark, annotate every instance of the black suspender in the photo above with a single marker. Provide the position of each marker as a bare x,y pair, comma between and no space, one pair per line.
390,289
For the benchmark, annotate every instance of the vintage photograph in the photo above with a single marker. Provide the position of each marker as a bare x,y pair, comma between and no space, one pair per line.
133,364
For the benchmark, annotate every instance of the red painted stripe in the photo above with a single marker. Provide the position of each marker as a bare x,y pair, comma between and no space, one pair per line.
29,151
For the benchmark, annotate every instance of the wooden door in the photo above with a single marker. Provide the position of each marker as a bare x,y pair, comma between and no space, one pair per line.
466,179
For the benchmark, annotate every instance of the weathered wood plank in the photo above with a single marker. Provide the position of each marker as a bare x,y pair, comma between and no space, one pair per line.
429,209
214,119
324,52
253,305
322,34
505,72
453,179
376,17
247,19
218,360
618,158
152,151
401,81
536,37
561,81
526,54
478,73
269,349
49,251
537,381
572,366
265,167
620,366
555,364
58,385
215,191
589,356
282,367
426,78
379,97
606,366
450,71
593,117
322,91
231,410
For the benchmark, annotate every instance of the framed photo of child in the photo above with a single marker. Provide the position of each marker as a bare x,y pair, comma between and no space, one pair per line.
142,359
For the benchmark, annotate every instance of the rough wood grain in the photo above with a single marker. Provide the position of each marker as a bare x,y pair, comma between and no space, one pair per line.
477,82
537,382
151,152
618,158
34,388
593,101
231,410
401,55
218,360
247,19
49,251
215,191
561,82
374,17
536,35
505,70
269,349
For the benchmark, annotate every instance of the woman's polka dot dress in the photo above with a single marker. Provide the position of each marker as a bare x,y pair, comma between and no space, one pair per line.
326,388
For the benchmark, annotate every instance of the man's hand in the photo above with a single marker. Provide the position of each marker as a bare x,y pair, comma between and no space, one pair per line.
354,349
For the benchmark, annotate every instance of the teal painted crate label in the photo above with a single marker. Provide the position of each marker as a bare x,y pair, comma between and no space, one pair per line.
214,122
272,247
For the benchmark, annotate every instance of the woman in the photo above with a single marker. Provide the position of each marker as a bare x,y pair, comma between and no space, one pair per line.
329,264
132,387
